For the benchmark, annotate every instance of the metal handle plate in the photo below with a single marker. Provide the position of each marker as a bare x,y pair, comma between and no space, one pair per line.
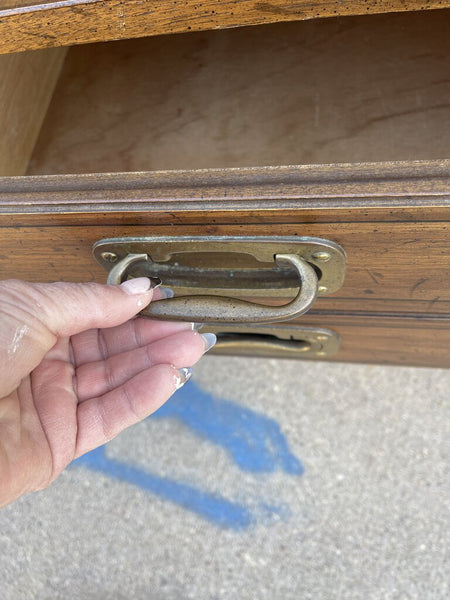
204,268
278,341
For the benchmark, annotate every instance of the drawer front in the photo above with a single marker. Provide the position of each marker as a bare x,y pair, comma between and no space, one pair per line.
391,220
390,269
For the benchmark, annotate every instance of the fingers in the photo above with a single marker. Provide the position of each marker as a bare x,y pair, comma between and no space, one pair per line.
33,316
99,377
68,308
56,404
94,345
102,418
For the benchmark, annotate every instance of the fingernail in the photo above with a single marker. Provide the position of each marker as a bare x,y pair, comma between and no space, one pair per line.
166,292
197,326
139,285
184,375
209,339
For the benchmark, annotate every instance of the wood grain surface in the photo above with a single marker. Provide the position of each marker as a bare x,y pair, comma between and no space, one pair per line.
387,345
394,306
358,89
410,271
29,25
407,329
27,82
417,342
392,219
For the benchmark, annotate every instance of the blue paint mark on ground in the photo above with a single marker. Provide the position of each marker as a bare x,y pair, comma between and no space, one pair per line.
254,442
216,509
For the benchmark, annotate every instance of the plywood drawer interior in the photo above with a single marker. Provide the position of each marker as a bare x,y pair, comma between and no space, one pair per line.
353,89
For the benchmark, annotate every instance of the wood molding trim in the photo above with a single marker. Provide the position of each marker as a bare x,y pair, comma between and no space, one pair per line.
370,192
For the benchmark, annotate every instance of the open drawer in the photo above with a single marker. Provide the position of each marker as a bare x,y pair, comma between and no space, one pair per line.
190,135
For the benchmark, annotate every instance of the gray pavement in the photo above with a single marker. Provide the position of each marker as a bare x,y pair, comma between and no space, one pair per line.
260,479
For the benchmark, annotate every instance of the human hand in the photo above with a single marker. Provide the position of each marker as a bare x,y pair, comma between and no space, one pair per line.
76,369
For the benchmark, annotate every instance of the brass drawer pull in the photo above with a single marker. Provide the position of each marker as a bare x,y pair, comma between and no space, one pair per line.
217,265
219,309
275,341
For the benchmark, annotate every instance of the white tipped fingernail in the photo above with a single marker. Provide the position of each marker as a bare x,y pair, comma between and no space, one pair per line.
139,285
166,292
209,339
183,377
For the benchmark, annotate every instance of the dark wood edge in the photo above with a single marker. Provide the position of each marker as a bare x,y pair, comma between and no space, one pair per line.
69,22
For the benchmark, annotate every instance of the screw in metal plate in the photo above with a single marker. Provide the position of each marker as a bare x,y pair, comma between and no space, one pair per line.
322,289
321,256
109,256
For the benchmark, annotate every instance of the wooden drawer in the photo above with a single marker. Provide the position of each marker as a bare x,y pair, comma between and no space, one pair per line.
198,128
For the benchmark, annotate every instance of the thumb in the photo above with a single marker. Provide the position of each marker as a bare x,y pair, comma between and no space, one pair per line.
69,308
34,315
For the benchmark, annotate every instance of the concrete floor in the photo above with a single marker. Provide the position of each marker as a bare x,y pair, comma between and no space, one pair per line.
260,479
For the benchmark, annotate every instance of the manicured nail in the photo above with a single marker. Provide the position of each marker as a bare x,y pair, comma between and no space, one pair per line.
210,339
139,285
184,375
166,292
